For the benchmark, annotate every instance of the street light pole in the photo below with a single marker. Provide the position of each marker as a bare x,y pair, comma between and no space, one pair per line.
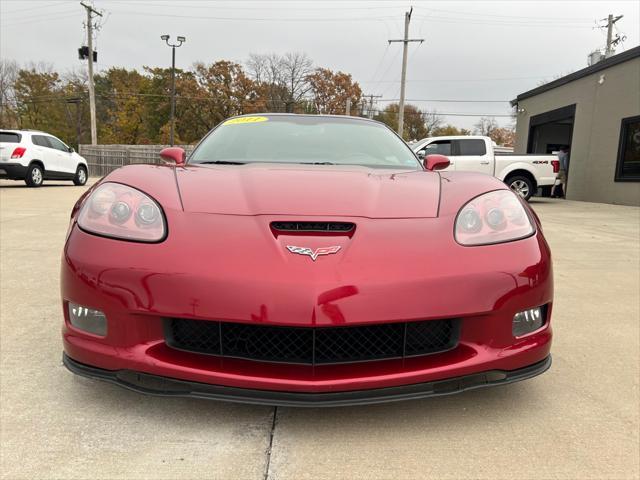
173,93
173,46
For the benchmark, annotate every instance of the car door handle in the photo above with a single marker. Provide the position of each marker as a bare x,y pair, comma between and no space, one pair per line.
484,163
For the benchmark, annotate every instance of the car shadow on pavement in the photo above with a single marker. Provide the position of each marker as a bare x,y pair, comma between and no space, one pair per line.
44,185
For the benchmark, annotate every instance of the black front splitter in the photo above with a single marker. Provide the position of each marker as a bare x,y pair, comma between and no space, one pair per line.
164,386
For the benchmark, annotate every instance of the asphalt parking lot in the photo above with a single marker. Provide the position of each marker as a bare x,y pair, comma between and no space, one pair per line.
578,420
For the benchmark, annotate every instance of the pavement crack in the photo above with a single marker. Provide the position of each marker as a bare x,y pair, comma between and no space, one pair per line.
270,447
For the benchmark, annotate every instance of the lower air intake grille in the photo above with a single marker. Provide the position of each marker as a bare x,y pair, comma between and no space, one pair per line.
320,345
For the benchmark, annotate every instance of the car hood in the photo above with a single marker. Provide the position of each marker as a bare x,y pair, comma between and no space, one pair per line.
276,189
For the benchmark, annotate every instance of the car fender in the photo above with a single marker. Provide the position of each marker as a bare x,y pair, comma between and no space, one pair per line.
512,167
38,162
80,159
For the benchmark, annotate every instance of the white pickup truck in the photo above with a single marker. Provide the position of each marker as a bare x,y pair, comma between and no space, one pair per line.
523,173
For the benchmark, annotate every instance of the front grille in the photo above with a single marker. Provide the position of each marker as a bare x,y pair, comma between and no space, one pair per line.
333,227
306,345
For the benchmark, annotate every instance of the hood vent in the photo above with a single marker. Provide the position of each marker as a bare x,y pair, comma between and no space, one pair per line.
326,227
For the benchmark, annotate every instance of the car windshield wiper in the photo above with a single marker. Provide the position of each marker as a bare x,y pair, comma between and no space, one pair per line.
317,163
222,162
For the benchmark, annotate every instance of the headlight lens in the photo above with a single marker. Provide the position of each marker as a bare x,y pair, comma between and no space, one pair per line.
493,217
118,211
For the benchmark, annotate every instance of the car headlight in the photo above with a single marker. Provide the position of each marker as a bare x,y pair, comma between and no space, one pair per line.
493,217
118,211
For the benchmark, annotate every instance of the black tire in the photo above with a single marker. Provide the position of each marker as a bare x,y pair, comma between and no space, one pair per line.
81,176
35,176
522,185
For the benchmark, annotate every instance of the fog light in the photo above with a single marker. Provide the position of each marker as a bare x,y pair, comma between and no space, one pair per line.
88,319
527,321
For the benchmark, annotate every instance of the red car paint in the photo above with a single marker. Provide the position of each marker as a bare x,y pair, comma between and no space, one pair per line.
221,260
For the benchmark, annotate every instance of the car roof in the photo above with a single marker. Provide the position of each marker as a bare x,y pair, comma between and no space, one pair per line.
11,130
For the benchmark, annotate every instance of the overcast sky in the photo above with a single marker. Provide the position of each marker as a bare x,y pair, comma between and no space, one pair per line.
473,50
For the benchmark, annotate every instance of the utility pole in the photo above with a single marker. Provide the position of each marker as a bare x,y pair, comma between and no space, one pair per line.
406,40
348,107
92,93
610,40
371,97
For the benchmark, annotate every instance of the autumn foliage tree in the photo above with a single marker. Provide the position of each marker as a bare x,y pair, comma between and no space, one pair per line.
211,93
133,106
331,90
488,126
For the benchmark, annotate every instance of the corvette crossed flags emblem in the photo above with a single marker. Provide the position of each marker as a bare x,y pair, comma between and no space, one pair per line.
313,253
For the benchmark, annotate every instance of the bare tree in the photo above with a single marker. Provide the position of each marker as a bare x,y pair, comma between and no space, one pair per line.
297,68
8,75
432,121
284,79
485,126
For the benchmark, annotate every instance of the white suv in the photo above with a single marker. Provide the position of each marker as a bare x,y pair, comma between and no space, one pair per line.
35,156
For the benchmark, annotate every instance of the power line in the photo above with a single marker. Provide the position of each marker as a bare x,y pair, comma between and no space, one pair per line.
299,6
44,18
41,7
243,103
452,114
443,100
375,72
260,19
469,21
494,15
457,80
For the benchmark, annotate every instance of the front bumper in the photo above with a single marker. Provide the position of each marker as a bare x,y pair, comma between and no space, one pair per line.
249,277
163,386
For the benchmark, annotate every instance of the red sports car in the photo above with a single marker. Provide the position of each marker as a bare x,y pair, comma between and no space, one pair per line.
304,260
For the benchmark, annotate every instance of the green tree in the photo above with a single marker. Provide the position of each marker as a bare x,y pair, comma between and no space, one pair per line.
125,116
414,125
39,99
449,130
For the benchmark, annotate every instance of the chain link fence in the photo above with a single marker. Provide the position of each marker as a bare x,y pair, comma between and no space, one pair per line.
104,159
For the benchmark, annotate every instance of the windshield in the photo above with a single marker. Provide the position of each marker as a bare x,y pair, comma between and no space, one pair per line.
304,139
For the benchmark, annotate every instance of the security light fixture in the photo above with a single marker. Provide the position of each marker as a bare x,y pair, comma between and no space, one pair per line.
165,37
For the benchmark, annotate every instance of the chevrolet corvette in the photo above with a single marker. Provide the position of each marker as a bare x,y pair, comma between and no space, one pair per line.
304,260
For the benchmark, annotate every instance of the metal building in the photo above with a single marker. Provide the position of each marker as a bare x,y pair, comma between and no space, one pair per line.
596,112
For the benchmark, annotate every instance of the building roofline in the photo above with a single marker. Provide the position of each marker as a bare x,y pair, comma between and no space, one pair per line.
602,65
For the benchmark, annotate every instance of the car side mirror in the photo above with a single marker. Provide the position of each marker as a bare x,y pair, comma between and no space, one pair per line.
71,150
436,162
421,154
176,155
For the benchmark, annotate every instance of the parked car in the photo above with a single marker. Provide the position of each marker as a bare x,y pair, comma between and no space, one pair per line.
304,260
35,156
524,174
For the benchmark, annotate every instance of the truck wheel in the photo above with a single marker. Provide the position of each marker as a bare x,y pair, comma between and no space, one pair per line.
34,176
522,185
81,176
